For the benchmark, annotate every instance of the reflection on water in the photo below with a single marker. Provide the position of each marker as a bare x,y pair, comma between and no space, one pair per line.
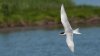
49,43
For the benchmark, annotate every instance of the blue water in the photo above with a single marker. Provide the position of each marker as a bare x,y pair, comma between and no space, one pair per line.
88,2
41,42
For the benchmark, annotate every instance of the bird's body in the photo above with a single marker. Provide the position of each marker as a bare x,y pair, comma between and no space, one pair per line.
68,30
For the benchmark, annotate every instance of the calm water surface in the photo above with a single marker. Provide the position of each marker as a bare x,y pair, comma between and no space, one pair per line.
49,43
87,2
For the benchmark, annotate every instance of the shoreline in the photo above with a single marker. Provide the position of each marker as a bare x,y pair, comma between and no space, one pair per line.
12,29
52,23
75,22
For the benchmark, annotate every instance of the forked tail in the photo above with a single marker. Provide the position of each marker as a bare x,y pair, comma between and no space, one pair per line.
76,31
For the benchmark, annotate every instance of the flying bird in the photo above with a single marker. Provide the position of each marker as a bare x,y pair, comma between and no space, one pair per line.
68,30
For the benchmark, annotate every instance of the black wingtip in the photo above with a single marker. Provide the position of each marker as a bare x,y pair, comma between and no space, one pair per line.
62,33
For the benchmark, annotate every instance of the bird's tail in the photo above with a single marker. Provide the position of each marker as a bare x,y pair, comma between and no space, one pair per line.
76,31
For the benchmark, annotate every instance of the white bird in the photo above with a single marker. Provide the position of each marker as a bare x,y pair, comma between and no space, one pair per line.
68,30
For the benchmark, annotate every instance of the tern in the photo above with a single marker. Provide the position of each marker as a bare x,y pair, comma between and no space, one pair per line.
68,30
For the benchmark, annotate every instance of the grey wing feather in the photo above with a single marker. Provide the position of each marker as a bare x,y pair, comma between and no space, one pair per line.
64,19
70,42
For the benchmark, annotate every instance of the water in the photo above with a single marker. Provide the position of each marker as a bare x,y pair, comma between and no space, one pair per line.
49,43
88,2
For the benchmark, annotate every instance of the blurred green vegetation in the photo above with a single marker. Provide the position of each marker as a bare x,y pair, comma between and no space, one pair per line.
30,12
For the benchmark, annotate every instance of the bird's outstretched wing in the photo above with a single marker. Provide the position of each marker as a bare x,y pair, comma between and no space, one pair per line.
70,42
68,29
64,19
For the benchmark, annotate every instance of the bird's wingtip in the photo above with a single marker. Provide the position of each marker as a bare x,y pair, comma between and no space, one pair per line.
72,50
62,5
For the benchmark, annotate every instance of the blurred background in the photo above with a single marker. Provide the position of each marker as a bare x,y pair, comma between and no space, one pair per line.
23,13
32,27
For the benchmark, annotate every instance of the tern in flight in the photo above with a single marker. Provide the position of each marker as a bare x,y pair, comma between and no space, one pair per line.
68,30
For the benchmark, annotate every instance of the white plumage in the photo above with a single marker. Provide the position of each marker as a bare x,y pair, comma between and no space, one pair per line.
68,30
